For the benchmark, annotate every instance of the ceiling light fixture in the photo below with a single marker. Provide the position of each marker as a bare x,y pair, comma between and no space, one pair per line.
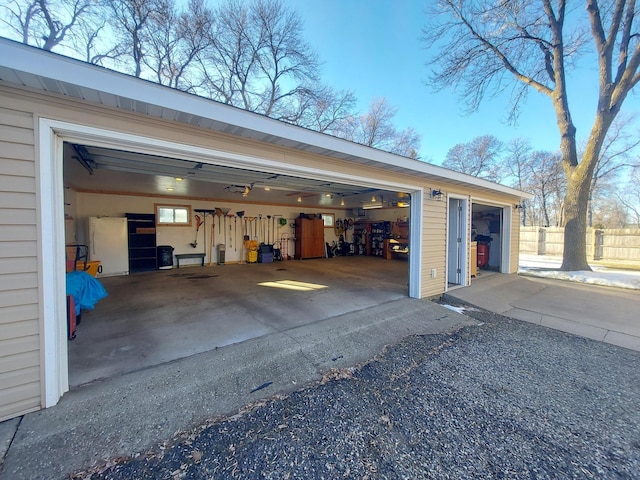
299,199
373,199
178,179
342,202
170,189
267,189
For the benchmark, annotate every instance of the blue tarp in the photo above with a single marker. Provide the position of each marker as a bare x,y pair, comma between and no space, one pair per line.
85,289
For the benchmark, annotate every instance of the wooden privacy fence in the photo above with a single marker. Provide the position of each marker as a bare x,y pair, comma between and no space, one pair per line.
609,244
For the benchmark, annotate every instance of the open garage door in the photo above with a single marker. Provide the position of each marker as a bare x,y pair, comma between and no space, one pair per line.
488,230
154,315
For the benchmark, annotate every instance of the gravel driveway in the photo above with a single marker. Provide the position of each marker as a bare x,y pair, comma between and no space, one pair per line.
505,399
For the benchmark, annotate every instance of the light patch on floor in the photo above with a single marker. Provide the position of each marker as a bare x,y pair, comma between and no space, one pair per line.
293,285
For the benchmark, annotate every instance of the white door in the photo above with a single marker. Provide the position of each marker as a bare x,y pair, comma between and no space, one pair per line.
457,242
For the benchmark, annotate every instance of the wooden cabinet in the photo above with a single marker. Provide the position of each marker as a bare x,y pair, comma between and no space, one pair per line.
141,231
309,238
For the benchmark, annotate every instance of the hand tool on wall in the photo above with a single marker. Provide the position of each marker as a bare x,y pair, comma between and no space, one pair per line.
230,215
198,223
240,215
224,212
213,236
235,233
219,214
268,229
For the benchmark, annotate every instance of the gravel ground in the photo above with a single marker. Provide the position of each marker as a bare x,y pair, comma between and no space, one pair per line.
505,399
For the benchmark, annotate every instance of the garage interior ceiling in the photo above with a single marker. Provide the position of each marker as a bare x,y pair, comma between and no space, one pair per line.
91,168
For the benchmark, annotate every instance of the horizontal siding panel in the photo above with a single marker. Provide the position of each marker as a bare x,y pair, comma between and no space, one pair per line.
19,345
12,410
11,183
17,216
18,200
18,329
18,281
27,248
17,151
18,233
23,377
10,134
19,313
18,265
21,360
16,118
23,296
20,393
18,168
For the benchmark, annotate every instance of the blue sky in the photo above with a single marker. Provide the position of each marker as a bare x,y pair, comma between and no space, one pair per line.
373,48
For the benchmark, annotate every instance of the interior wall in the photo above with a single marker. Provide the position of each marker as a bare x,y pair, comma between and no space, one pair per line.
180,237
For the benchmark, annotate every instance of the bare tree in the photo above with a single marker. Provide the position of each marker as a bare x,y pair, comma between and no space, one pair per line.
132,19
629,196
479,157
258,59
322,109
375,129
175,39
45,23
516,162
616,156
487,45
545,182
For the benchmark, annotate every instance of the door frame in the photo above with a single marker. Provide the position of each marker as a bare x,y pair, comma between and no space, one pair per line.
51,137
505,230
464,250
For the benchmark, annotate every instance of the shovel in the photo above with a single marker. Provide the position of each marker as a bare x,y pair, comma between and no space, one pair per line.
219,214
230,215
223,212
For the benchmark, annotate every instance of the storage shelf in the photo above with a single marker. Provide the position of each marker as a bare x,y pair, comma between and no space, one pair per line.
142,245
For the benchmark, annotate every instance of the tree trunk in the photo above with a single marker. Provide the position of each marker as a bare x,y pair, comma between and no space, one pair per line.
575,222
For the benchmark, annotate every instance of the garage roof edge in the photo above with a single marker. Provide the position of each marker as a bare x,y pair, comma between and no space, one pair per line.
17,59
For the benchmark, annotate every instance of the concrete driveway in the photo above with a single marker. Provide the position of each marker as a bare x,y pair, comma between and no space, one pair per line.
601,313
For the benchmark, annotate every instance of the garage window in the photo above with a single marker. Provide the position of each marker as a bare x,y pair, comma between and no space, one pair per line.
173,215
329,220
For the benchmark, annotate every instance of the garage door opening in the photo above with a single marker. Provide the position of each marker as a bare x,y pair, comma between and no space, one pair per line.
154,315
487,230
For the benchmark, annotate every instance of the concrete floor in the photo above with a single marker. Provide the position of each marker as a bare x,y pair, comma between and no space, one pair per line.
156,317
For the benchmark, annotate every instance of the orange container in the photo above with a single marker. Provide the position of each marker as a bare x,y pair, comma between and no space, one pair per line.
92,267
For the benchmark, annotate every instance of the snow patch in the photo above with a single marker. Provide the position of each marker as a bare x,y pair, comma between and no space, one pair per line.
546,267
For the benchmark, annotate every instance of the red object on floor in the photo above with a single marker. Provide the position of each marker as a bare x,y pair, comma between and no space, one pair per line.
71,318
483,255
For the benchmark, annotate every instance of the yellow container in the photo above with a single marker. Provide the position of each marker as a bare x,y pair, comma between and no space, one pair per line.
252,256
92,267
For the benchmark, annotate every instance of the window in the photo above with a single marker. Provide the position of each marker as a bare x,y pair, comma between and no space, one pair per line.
328,219
173,215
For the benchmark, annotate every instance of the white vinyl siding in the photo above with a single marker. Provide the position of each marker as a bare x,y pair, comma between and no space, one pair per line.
20,390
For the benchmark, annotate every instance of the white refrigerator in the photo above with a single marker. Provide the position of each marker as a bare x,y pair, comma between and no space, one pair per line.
108,243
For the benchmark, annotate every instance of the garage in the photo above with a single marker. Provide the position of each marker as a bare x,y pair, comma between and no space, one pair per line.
210,292
331,225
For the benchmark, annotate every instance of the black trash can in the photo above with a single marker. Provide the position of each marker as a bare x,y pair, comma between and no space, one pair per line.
165,257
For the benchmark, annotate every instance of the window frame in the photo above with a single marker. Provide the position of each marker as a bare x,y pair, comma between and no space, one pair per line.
325,217
174,207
